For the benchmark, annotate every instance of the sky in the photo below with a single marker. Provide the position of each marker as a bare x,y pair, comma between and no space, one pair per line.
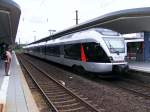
40,16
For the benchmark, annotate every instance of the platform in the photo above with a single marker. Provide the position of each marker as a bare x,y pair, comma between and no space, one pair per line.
15,95
140,66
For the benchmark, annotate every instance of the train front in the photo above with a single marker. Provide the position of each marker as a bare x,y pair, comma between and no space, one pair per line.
117,51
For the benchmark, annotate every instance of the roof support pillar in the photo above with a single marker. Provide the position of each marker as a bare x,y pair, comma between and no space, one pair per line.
146,46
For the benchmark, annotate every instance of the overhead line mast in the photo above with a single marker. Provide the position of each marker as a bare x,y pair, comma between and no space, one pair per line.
77,17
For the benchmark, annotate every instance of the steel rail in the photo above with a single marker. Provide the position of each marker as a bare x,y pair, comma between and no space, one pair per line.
91,107
131,90
54,109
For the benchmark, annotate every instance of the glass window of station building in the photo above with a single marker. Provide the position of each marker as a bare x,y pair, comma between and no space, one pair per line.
135,46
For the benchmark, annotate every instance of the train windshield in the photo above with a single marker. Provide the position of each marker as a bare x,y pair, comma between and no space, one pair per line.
115,45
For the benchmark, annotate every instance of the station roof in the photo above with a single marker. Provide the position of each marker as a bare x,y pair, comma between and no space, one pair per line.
9,20
123,21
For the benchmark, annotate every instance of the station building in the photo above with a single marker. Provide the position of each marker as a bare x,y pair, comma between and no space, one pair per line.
135,46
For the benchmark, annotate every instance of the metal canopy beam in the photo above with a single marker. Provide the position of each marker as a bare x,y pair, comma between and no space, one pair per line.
124,21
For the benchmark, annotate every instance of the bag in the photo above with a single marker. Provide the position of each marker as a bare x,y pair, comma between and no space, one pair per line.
4,57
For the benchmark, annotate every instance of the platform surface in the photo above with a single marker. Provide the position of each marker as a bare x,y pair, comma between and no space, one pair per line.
15,94
140,66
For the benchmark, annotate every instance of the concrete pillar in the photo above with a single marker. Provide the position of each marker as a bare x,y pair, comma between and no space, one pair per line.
146,46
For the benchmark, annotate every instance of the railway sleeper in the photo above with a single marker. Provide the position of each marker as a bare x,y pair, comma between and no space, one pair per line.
54,99
49,85
79,109
68,105
46,89
67,101
57,91
56,95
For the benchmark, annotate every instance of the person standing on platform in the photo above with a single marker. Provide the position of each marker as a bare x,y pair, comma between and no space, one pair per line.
7,60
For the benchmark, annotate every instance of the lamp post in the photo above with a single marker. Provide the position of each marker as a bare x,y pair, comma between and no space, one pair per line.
76,17
34,35
51,32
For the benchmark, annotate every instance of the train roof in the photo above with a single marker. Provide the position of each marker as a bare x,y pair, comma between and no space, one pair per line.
134,40
101,31
91,35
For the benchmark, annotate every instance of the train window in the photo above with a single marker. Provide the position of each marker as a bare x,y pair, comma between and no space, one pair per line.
42,49
49,50
115,45
95,53
53,50
38,49
57,50
72,51
61,49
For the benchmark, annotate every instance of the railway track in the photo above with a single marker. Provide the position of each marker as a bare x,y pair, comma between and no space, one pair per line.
60,98
131,86
139,88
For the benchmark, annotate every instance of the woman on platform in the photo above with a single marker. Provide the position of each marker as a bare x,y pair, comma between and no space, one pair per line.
7,61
